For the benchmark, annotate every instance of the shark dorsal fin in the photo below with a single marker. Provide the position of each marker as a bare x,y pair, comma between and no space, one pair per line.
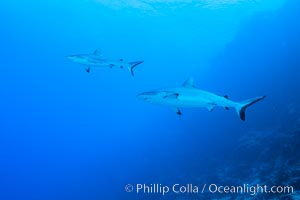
97,52
189,83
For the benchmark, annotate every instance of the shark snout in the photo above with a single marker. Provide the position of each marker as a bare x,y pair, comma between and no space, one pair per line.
142,96
70,57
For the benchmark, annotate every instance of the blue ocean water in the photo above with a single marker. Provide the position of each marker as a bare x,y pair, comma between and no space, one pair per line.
68,134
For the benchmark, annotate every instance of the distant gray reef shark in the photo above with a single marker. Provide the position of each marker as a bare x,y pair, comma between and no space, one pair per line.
97,60
189,96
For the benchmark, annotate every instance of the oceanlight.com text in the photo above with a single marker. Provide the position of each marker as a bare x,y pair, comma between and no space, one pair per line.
250,189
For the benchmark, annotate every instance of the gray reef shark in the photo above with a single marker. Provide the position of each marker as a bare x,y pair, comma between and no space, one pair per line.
189,96
97,60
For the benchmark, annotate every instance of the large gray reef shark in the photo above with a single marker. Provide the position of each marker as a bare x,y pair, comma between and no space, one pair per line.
97,60
189,96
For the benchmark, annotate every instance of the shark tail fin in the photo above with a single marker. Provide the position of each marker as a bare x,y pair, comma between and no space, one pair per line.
242,106
133,65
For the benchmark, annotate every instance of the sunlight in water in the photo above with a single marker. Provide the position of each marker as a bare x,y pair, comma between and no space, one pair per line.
156,5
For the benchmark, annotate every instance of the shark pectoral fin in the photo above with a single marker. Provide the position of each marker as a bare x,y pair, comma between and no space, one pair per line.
177,111
226,97
171,96
211,107
88,69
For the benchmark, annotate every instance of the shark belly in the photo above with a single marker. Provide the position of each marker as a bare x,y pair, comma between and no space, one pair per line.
186,102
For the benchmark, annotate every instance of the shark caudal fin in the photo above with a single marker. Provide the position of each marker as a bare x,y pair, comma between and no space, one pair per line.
242,106
133,65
